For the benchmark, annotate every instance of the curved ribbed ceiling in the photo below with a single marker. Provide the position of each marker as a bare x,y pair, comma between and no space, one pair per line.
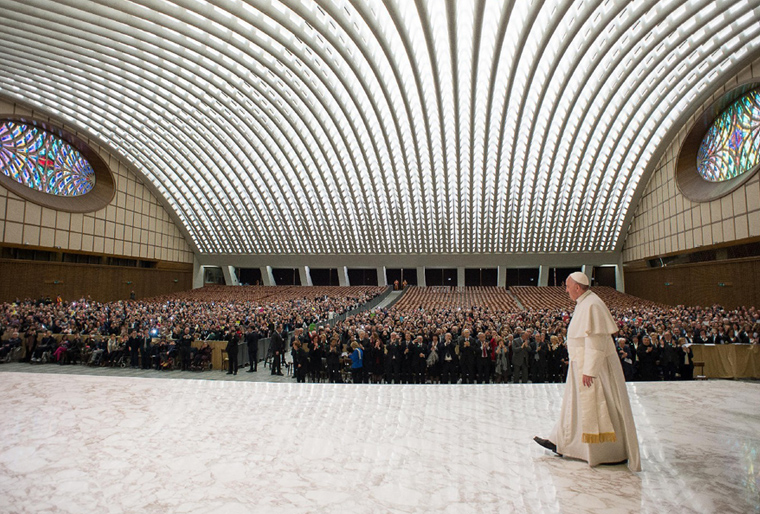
396,126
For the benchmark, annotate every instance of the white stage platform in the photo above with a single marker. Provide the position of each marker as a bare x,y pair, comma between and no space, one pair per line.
85,444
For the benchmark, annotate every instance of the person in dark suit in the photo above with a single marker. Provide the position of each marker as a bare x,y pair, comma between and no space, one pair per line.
184,343
467,356
668,356
333,363
448,356
541,359
393,360
278,347
300,361
252,341
419,361
133,345
521,352
467,345
233,338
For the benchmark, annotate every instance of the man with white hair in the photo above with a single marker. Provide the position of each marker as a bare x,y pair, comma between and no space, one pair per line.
595,422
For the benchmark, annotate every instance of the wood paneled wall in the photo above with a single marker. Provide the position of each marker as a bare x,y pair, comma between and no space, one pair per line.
731,283
31,279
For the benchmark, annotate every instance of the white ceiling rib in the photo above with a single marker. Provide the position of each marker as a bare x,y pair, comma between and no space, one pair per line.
393,127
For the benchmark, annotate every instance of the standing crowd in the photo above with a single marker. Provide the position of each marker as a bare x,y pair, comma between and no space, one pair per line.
403,344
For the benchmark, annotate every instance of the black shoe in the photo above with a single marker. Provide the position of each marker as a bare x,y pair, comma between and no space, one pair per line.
547,444
229,372
249,371
624,461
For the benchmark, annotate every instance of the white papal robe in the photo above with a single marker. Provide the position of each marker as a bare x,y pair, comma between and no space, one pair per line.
595,423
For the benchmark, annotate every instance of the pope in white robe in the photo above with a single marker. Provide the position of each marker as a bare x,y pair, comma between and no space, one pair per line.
596,423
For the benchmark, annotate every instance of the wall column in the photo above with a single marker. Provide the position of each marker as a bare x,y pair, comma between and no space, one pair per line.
305,275
198,272
421,276
460,277
619,275
588,270
230,277
543,276
267,277
343,276
501,279
382,278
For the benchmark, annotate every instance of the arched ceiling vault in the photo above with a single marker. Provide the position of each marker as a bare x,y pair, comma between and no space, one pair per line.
381,127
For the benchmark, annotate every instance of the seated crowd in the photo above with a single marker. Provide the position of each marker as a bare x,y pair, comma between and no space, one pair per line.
158,332
467,335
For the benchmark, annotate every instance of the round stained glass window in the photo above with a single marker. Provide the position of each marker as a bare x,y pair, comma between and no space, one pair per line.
49,166
43,162
731,145
721,151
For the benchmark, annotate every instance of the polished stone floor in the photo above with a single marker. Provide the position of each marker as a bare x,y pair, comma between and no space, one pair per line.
82,443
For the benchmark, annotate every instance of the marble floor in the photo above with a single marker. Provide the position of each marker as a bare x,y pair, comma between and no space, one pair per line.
86,444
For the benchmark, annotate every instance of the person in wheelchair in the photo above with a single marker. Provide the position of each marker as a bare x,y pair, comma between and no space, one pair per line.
112,351
202,358
44,350
157,351
169,357
99,348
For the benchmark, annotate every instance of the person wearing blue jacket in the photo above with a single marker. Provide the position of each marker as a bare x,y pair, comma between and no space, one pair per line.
357,364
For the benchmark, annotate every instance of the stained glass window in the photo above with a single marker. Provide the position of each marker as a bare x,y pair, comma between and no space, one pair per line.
732,143
43,162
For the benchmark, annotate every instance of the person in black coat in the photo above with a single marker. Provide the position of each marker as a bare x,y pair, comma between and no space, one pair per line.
377,358
278,347
648,355
133,344
668,356
419,361
449,360
252,341
184,344
333,363
483,350
393,359
233,338
467,356
300,361
541,360
315,359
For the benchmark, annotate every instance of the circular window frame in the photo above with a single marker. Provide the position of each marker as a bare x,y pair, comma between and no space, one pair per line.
95,199
691,184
